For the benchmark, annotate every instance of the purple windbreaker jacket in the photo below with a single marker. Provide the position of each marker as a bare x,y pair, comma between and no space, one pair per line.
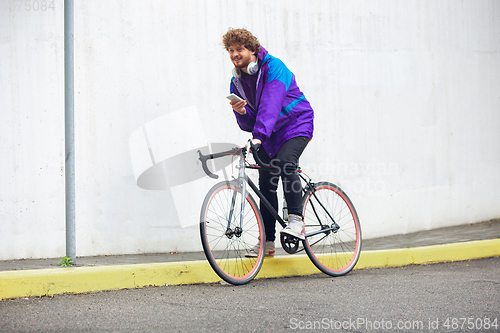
280,111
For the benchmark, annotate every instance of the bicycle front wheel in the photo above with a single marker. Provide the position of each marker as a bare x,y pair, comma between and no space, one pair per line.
227,235
336,250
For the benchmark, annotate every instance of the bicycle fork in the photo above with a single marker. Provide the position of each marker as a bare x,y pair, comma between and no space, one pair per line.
241,177
239,229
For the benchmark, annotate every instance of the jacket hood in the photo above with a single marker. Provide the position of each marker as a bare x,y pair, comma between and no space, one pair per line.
262,53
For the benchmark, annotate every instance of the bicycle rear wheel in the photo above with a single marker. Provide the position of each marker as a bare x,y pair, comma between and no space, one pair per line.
334,252
225,239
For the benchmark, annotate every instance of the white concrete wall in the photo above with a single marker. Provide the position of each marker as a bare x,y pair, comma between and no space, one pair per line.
406,95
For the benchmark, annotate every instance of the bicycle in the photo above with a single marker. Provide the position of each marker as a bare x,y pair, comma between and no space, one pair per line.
231,223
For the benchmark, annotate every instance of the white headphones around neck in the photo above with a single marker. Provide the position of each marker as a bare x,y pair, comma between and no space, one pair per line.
252,68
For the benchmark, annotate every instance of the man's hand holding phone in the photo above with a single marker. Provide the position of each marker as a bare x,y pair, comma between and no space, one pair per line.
237,104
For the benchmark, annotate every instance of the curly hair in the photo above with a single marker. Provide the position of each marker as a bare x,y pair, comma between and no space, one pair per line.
240,37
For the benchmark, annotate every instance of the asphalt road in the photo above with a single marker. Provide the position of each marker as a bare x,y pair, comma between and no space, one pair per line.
449,297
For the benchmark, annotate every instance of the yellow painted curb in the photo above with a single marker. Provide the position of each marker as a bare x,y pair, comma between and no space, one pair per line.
430,254
40,282
26,283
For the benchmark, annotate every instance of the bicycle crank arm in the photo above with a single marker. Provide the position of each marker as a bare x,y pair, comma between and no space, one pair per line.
321,231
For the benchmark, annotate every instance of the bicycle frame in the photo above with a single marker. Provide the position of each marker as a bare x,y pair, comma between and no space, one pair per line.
244,179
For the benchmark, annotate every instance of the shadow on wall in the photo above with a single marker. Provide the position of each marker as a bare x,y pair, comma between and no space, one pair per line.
164,157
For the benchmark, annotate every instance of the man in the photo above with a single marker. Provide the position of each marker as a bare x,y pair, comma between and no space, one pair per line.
280,119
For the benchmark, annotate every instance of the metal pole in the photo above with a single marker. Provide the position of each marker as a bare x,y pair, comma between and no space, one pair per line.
69,121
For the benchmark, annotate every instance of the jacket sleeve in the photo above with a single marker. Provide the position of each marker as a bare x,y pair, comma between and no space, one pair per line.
276,84
247,121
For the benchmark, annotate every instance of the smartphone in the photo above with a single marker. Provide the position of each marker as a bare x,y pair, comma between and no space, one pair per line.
234,97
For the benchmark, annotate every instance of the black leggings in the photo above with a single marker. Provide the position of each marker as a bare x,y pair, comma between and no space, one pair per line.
286,163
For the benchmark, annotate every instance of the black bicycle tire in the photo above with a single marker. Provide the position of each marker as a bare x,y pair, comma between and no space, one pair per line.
355,219
216,266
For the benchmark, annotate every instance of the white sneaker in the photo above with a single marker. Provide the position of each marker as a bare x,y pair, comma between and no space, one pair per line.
268,251
295,227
